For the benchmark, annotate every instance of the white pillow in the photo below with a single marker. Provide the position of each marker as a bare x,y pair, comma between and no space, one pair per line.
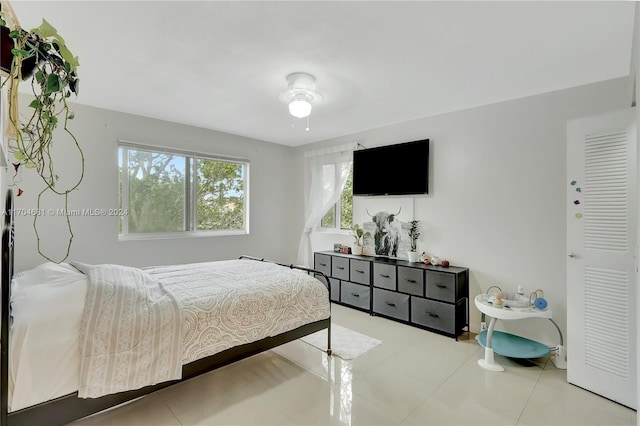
50,286
46,274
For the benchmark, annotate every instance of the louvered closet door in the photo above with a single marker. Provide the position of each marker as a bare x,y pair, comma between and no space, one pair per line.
601,244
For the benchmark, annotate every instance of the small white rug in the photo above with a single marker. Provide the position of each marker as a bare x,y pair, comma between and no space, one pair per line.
345,343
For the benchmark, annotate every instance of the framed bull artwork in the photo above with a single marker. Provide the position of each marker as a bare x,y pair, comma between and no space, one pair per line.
386,219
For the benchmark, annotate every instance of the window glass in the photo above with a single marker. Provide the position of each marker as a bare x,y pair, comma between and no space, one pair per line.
168,192
220,195
156,192
346,204
342,212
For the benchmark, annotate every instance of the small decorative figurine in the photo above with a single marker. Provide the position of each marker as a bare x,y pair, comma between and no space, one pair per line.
497,299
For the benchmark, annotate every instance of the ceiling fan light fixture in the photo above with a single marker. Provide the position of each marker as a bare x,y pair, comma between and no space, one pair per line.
301,95
300,108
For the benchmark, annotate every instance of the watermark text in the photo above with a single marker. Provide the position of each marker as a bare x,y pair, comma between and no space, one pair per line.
68,212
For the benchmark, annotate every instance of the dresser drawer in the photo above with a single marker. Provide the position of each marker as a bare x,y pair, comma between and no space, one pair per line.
340,268
391,304
384,276
441,286
355,295
411,280
335,289
432,314
360,271
322,263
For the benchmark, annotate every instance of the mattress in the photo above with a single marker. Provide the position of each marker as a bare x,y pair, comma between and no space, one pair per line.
224,304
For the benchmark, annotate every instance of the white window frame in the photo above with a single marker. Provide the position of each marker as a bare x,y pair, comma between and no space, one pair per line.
190,219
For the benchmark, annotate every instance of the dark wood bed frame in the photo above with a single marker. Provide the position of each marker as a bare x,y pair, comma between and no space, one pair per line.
68,408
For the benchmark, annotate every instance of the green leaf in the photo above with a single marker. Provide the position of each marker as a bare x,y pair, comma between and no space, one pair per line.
35,104
71,115
20,52
39,77
59,39
14,34
30,165
53,84
68,56
45,30
19,155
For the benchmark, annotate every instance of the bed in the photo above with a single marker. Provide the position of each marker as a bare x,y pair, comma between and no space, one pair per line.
218,312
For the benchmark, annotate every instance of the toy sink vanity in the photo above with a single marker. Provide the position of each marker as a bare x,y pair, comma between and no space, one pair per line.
510,345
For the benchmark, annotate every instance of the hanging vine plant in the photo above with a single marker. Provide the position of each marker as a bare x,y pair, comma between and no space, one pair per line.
40,56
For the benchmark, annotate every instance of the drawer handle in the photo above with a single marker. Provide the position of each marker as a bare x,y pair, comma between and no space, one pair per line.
432,315
411,281
355,294
340,267
323,264
385,276
441,285
393,305
358,270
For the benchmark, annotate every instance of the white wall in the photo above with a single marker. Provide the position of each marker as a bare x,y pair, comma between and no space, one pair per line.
497,191
272,209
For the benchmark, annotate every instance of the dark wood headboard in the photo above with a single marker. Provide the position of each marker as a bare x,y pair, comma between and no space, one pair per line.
7,275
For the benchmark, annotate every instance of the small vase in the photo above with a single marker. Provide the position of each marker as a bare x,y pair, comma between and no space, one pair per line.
356,249
414,256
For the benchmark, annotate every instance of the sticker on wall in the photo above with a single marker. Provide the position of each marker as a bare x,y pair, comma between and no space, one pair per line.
577,215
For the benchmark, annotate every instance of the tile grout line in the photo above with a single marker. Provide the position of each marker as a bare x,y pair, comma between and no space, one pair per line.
172,413
533,389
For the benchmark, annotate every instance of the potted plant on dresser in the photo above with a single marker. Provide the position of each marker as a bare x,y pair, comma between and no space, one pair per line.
358,233
414,234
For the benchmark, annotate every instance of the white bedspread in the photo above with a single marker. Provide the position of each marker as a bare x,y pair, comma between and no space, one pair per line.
223,304
233,302
130,335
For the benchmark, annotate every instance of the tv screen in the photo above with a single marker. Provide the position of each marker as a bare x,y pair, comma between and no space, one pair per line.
400,169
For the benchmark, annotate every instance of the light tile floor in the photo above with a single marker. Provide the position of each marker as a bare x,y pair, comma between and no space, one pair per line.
414,378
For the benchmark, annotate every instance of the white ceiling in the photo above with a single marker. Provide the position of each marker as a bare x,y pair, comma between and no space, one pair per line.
221,65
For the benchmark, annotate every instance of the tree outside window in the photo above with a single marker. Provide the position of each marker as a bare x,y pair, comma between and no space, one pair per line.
165,191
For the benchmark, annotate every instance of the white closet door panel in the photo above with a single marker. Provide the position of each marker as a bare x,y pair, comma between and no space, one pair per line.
601,243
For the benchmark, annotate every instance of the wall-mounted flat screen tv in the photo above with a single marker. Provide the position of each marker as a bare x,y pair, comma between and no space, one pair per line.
401,169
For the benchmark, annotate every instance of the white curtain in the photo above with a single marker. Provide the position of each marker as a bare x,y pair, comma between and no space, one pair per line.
322,190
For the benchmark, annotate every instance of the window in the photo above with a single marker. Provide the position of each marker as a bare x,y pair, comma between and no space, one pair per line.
167,191
341,214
